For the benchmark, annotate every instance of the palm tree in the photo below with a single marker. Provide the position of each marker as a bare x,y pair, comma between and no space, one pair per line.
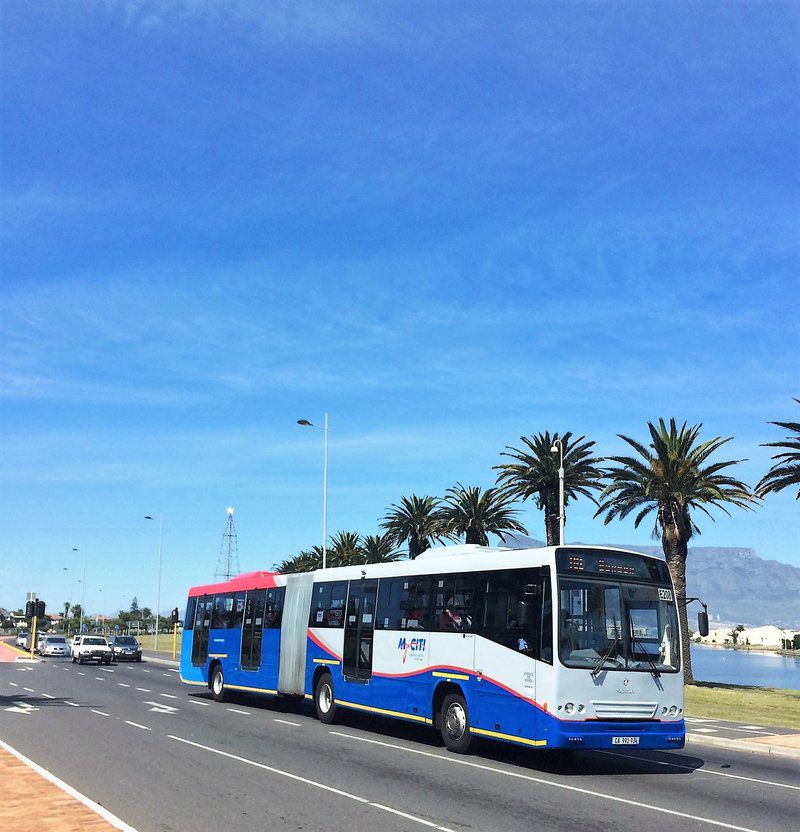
786,470
672,477
306,560
379,548
345,549
414,522
534,473
475,513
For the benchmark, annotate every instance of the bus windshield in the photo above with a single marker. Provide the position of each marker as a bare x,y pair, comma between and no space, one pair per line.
613,625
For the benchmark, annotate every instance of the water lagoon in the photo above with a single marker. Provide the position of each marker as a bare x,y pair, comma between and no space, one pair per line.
745,667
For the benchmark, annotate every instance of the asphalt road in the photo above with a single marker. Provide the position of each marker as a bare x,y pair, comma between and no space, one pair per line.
163,756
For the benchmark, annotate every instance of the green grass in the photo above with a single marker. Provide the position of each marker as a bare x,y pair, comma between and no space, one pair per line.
164,643
739,703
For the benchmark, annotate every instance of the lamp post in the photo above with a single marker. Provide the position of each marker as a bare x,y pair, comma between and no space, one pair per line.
158,589
306,424
71,571
558,448
83,593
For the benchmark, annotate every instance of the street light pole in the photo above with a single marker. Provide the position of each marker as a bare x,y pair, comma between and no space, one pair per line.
558,447
306,424
160,549
83,594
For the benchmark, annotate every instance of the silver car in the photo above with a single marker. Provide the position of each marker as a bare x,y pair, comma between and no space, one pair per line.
54,646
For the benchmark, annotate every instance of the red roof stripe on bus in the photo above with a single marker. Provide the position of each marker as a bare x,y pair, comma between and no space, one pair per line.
248,580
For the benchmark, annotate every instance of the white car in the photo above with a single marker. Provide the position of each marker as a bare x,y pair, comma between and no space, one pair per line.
54,646
22,640
91,649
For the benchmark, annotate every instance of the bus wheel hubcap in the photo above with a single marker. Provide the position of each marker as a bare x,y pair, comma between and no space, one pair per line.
218,683
325,698
456,721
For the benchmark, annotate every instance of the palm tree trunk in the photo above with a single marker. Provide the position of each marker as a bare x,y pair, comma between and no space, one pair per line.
675,551
551,524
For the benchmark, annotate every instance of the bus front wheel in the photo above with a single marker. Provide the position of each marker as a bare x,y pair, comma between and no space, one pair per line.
454,723
218,685
324,699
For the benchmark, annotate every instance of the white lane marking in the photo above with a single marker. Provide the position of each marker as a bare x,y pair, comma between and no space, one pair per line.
105,669
703,770
237,711
545,782
749,730
47,696
30,690
752,727
145,671
13,684
165,674
704,730
74,704
161,708
101,713
195,702
331,789
174,670
168,695
74,793
99,678
144,690
136,725
123,685
286,722
81,673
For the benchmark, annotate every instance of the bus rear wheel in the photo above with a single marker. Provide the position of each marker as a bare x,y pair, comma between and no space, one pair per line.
454,724
218,685
324,700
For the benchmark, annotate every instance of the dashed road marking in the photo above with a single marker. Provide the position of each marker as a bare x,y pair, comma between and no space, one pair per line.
168,695
30,690
286,722
136,725
297,778
123,685
13,684
144,690
47,696
237,711
101,713
545,782
74,704
195,702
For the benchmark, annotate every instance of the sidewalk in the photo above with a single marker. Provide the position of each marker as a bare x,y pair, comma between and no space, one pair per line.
33,797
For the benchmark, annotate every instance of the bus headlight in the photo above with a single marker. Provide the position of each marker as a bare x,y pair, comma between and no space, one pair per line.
569,707
673,710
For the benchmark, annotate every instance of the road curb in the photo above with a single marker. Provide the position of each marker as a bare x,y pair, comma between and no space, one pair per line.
741,745
157,660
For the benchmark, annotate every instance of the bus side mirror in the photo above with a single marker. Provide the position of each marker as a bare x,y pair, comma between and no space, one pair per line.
702,623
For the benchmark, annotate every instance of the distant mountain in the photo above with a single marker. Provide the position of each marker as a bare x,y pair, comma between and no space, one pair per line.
738,586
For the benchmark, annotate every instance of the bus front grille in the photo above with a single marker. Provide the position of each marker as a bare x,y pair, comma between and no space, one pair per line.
625,710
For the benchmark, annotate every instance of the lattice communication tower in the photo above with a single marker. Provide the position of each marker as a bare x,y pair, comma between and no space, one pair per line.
228,560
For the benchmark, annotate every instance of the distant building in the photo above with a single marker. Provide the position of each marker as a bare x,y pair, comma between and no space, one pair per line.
766,636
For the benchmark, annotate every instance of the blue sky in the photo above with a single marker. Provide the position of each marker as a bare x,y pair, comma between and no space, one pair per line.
447,224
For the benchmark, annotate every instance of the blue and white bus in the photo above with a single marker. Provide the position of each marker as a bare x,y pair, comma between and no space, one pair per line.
559,647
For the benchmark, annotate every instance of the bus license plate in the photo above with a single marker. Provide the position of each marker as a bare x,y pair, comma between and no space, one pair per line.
625,741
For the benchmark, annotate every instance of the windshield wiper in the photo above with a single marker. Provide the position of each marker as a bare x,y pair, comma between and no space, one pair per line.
605,657
647,657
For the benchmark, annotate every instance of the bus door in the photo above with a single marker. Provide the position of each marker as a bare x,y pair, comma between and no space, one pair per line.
202,624
358,629
252,629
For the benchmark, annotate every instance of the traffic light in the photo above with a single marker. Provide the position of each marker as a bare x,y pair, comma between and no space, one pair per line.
30,609
175,616
40,607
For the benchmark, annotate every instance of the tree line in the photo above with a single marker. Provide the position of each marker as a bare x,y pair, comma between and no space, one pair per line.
672,477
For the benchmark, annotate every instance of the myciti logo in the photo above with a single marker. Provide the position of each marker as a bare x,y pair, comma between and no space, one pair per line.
413,645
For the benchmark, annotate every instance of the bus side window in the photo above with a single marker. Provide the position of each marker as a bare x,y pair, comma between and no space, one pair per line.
327,605
274,611
415,603
237,612
452,598
388,612
546,628
188,619
223,604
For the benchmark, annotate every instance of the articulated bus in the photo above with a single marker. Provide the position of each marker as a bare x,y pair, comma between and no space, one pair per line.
559,647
